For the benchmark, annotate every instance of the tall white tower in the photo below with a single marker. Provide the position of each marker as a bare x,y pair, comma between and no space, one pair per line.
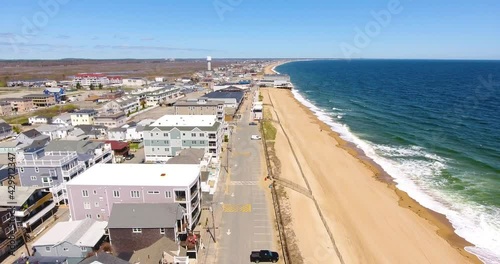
209,61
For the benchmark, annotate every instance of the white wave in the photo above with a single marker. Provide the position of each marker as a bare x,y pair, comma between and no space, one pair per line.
419,178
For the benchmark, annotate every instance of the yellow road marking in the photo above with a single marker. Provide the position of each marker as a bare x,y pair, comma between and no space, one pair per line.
234,208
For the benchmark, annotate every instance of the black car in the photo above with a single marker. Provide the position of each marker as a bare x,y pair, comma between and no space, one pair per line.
264,256
252,124
129,157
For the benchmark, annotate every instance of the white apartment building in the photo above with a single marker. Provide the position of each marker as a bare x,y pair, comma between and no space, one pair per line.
83,117
93,193
134,82
168,135
86,79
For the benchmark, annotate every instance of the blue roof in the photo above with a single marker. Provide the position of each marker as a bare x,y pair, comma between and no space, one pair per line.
218,94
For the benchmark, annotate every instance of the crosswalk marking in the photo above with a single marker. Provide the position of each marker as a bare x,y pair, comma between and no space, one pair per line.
244,183
234,208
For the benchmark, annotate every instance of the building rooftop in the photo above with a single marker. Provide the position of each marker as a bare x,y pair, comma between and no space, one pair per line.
42,260
154,253
188,156
85,233
220,94
21,194
145,215
80,146
196,102
138,175
186,120
85,111
37,95
103,258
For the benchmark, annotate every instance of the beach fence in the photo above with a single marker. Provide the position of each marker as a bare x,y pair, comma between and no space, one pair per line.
276,204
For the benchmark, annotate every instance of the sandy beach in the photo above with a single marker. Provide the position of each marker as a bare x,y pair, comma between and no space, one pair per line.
369,219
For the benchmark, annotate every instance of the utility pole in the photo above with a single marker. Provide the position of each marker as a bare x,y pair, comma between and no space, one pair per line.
213,223
23,232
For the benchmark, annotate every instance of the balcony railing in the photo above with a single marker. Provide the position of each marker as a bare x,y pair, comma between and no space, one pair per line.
71,171
69,156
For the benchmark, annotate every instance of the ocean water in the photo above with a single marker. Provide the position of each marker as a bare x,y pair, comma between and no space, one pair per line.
434,126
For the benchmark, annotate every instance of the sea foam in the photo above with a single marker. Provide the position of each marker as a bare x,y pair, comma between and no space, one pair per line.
474,222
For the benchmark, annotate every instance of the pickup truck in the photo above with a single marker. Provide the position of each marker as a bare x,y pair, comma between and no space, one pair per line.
264,256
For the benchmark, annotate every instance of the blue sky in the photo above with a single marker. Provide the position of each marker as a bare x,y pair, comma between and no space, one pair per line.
53,29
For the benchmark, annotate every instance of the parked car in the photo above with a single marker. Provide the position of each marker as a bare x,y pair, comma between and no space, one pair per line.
264,256
255,137
252,124
129,157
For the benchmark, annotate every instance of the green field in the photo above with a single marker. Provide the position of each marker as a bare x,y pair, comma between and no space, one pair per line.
49,112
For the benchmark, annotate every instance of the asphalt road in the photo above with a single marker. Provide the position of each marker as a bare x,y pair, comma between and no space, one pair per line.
246,223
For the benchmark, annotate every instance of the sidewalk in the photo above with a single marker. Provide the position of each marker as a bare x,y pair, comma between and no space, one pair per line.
208,253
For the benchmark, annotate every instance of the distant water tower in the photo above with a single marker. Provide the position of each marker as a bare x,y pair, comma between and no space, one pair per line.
209,61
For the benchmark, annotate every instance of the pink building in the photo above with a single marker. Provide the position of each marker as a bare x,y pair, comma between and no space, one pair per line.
93,193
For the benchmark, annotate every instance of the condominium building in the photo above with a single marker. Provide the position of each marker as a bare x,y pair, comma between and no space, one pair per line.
83,117
41,100
155,95
111,119
93,194
170,134
53,165
200,107
87,79
127,104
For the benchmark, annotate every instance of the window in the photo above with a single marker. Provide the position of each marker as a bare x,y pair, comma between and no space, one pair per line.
9,229
96,204
85,193
37,169
162,231
21,169
116,194
151,134
202,135
153,192
95,191
168,194
84,249
194,141
165,134
47,249
66,249
33,178
5,217
86,205
193,134
98,216
136,230
88,216
135,194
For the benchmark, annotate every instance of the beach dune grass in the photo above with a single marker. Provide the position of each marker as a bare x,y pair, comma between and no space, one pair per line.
48,112
268,127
